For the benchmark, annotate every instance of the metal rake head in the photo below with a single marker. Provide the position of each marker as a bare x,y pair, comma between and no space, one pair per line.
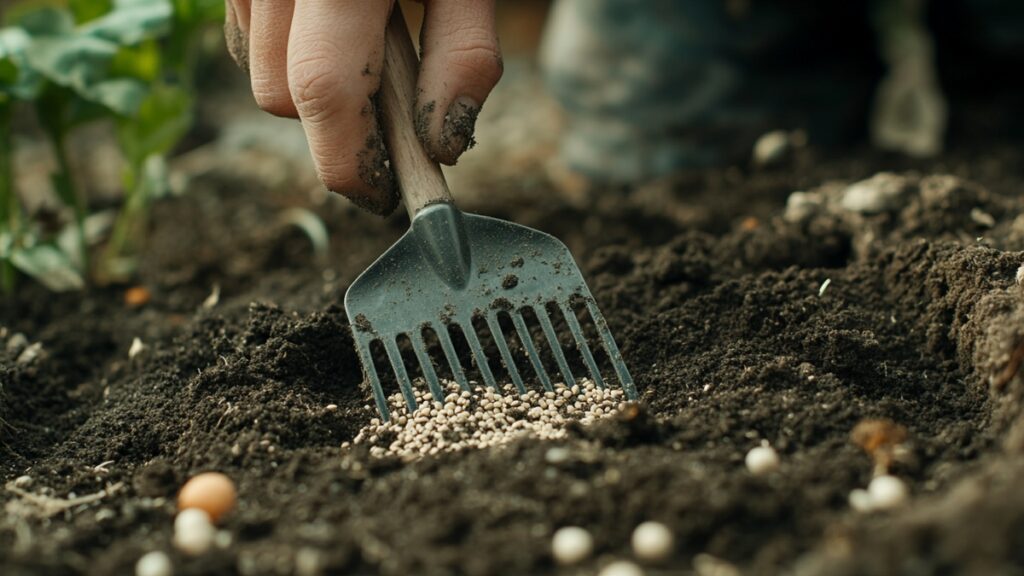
451,268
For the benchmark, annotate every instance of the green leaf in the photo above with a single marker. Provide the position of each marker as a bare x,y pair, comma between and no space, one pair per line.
46,21
17,78
49,266
122,95
86,10
161,121
132,21
195,12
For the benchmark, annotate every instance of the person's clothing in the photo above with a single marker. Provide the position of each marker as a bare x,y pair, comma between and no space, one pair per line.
650,86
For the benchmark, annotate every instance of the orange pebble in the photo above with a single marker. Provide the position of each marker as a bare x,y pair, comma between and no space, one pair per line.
211,492
136,296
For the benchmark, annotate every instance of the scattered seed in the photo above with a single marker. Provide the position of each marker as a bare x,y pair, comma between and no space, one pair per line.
762,459
212,492
154,563
652,542
136,348
571,545
887,492
193,531
481,419
621,568
136,296
824,286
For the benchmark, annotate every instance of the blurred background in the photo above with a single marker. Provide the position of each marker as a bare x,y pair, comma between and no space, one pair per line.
109,106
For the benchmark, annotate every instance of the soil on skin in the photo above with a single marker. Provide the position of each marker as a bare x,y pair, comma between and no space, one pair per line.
717,296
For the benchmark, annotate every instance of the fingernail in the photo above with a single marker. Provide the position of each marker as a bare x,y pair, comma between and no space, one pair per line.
458,128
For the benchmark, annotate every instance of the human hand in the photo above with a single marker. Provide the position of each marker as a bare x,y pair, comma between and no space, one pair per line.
320,61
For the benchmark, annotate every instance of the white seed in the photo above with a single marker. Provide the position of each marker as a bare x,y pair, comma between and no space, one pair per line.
154,563
136,348
23,481
1020,275
860,500
887,492
621,568
571,545
193,531
762,459
652,542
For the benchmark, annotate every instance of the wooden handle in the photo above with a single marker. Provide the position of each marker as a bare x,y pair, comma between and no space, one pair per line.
420,180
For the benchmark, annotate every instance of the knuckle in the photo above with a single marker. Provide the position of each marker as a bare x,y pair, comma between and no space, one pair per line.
273,99
315,87
480,59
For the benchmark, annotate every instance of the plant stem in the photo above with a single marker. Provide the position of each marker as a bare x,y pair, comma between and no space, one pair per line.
69,194
8,199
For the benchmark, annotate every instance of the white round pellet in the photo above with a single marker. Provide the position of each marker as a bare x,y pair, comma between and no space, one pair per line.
652,541
621,568
762,459
193,531
571,545
154,563
887,492
860,500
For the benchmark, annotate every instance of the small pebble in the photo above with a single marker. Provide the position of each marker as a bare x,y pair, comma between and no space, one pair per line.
23,481
860,500
571,545
136,348
154,563
556,455
621,568
1020,275
762,459
887,492
212,492
771,148
652,542
193,531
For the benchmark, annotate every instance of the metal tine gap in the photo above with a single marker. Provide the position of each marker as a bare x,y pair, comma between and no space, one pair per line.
427,366
453,359
581,342
613,351
398,365
478,352
556,347
506,355
531,350
370,371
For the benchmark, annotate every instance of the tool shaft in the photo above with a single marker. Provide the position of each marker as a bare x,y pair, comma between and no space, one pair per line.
420,180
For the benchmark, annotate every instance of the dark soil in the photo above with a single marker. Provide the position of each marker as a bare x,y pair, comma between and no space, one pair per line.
716,300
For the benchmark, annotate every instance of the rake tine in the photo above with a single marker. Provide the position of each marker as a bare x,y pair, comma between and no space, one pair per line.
613,351
428,367
531,350
581,344
478,353
506,356
453,358
370,371
398,365
556,347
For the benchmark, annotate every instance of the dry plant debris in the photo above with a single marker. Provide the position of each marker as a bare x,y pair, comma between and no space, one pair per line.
882,439
483,418
30,504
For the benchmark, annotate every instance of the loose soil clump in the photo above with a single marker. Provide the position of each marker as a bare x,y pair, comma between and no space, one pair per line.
743,319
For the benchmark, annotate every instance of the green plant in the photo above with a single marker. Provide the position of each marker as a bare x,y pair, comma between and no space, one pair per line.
127,62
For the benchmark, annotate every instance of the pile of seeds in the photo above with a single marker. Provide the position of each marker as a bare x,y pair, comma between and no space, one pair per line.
483,418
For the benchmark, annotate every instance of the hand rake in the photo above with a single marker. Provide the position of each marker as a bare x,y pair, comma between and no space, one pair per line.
452,267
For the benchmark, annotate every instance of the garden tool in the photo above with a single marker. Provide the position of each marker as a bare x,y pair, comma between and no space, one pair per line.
451,267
